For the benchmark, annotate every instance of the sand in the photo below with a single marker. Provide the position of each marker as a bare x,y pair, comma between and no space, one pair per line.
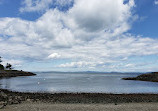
29,106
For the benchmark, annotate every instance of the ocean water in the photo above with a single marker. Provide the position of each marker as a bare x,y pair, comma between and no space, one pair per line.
78,82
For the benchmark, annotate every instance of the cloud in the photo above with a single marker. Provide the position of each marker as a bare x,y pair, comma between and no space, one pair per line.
105,53
43,5
35,5
156,2
100,14
80,64
54,56
13,62
91,34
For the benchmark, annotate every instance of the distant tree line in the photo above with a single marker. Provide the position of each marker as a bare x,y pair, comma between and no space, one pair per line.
7,67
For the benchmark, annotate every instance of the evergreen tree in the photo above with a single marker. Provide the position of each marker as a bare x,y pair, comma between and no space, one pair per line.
1,66
0,59
9,66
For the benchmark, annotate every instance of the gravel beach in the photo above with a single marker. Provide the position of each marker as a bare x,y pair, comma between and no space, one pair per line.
39,106
61,101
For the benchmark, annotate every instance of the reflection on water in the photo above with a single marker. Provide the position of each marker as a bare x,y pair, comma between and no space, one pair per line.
5,83
59,82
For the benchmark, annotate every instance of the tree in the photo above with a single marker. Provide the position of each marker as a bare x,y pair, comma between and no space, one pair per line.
0,59
1,66
8,66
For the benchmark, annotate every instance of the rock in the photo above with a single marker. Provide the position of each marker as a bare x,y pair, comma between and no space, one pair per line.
14,73
152,77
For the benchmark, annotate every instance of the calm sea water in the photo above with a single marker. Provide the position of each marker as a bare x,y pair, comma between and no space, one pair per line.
78,82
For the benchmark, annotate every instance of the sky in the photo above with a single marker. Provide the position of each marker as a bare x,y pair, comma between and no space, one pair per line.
80,35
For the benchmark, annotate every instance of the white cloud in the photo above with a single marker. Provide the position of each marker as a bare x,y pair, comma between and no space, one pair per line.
100,53
156,2
54,56
129,65
35,5
90,34
96,15
12,62
79,64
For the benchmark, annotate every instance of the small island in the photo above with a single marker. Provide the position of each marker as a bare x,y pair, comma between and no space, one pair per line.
152,77
7,71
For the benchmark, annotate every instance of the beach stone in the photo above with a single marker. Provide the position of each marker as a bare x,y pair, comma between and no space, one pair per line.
28,100
3,94
2,104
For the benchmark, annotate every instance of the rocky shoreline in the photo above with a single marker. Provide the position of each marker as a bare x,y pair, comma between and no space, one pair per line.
152,77
9,98
14,73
